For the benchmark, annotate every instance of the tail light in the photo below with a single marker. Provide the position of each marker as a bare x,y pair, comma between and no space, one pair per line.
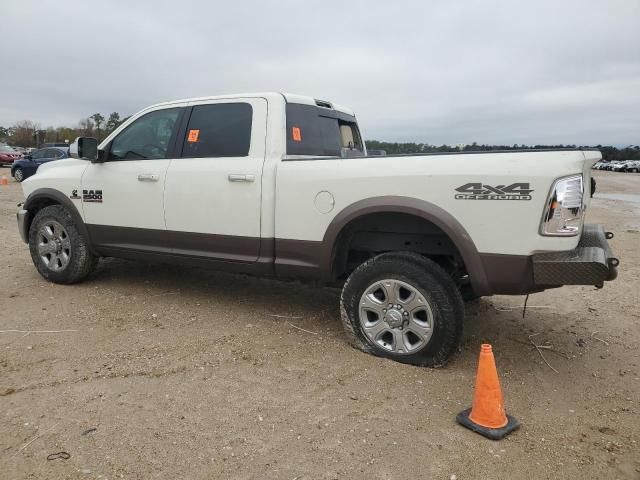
564,212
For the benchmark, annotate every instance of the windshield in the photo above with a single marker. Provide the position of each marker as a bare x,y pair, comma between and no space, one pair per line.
6,148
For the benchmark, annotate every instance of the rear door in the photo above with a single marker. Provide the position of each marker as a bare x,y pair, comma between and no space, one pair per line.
123,197
213,192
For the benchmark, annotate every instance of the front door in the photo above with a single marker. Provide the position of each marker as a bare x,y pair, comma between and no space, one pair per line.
122,198
213,192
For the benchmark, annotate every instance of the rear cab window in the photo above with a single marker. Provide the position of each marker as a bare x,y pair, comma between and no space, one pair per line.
321,132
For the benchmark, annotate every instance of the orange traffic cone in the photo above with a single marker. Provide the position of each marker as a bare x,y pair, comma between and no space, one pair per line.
486,415
4,180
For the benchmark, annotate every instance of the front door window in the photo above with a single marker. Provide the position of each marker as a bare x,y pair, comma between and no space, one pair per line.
146,138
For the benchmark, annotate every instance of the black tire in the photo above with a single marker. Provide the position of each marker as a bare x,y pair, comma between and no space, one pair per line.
18,174
80,263
427,278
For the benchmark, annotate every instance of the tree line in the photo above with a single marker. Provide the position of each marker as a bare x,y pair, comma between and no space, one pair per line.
27,133
31,134
609,153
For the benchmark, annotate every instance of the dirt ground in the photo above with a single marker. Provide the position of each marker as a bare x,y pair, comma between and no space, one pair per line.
168,372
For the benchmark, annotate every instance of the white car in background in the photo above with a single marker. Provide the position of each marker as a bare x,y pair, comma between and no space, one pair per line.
619,167
632,166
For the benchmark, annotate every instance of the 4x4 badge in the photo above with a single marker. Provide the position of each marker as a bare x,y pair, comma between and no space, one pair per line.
480,191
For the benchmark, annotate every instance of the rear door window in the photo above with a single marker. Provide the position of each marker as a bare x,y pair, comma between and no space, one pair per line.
218,130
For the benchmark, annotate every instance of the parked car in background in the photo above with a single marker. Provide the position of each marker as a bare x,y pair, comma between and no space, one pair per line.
632,166
8,155
619,167
598,165
55,144
21,150
376,153
27,166
609,166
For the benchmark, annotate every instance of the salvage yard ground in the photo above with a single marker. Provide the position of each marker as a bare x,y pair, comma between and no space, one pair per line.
156,371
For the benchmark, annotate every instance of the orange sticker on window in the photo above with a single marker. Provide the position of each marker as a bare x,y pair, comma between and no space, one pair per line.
193,136
297,135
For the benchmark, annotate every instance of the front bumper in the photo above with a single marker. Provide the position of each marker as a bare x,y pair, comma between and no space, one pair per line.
590,263
22,216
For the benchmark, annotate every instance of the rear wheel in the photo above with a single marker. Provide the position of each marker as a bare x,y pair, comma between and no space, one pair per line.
404,307
59,251
18,174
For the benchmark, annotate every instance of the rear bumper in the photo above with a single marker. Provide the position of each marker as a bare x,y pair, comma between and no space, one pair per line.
590,263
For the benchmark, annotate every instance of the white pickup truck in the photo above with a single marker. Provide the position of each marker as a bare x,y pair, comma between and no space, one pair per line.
281,185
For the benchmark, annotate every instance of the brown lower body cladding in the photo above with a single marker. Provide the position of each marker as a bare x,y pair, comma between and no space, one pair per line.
509,274
310,260
259,256
590,263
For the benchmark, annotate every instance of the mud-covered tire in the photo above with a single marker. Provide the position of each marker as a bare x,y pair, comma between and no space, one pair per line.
78,263
429,280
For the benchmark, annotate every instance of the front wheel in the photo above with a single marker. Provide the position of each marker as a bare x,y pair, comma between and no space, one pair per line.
403,306
58,249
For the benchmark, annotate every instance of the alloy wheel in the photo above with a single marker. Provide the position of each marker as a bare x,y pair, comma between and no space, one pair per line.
396,316
54,246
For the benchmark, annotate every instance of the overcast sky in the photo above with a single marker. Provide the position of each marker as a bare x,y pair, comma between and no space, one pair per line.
451,71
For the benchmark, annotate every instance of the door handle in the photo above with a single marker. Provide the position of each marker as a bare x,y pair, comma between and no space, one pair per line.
148,177
241,177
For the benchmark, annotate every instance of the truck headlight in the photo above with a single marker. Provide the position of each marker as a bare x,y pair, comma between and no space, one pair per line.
565,208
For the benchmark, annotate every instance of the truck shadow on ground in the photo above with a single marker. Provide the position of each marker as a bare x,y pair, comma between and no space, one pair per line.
269,295
312,306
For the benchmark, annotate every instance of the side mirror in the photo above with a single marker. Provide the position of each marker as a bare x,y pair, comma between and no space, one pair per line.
84,148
